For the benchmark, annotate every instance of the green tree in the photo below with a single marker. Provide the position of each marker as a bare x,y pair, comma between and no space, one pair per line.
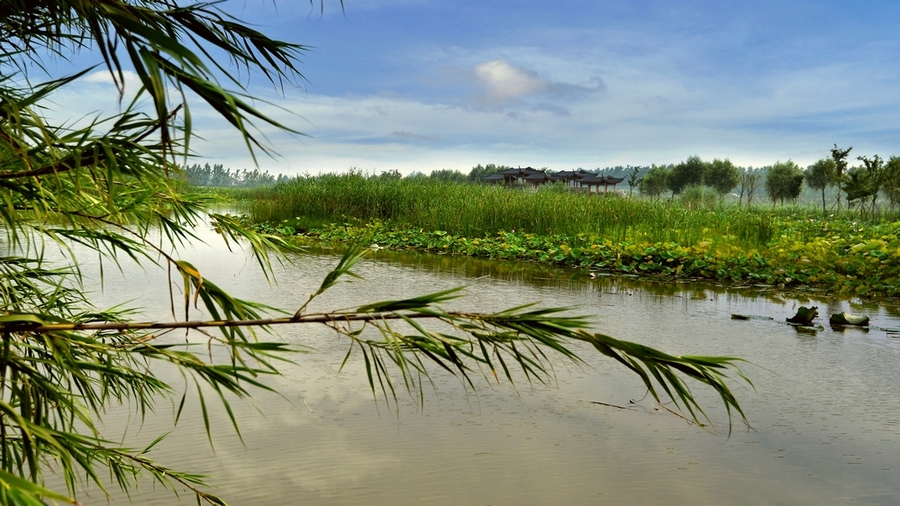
480,171
784,181
862,184
721,175
749,184
633,180
687,173
891,185
840,168
820,175
113,187
451,175
654,182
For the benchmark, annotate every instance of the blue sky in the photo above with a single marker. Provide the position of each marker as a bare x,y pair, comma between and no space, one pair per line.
448,84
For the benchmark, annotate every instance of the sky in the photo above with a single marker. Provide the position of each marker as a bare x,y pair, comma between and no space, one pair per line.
421,85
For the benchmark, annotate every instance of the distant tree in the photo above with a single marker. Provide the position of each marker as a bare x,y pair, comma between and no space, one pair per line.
891,183
481,171
820,175
784,181
686,173
864,183
252,178
749,184
633,180
721,175
654,183
451,175
390,174
840,168
858,188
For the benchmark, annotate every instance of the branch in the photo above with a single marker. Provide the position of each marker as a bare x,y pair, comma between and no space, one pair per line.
33,323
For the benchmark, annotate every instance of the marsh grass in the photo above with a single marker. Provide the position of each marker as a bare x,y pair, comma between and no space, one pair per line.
477,211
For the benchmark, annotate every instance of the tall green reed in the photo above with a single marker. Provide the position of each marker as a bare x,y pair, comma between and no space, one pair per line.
478,210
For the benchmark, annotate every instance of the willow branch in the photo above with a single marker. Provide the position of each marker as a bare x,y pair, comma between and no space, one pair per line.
24,326
73,161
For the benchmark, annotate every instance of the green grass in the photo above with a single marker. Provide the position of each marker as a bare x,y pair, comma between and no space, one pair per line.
685,238
479,210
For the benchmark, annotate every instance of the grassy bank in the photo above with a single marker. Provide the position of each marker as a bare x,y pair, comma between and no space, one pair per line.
793,247
478,210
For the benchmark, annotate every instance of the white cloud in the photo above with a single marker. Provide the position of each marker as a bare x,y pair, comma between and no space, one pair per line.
130,79
504,81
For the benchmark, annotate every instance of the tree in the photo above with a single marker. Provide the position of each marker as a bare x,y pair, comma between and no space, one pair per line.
450,175
750,180
891,187
478,172
687,173
113,187
820,176
784,181
840,168
633,180
654,183
862,184
721,176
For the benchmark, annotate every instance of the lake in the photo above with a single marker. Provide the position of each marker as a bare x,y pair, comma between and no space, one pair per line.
824,415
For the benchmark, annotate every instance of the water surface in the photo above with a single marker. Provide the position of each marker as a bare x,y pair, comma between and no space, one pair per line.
825,414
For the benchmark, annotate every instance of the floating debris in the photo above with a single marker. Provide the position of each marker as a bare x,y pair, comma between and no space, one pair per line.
805,315
846,318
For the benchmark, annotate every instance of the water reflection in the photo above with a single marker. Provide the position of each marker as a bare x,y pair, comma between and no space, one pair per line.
826,411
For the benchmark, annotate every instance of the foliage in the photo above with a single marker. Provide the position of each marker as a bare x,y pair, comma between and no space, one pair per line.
698,197
479,172
820,175
840,257
218,176
654,183
721,175
750,181
891,186
478,210
633,179
784,246
840,167
864,183
451,175
784,180
687,173
112,188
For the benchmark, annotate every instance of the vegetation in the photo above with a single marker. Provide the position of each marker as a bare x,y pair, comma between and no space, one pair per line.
687,173
217,175
694,237
654,184
721,175
113,187
478,210
820,175
784,180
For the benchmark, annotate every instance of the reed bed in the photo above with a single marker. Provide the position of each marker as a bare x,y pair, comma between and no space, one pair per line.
478,211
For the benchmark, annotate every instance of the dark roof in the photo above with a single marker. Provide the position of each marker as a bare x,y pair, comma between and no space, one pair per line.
538,176
565,174
493,177
520,172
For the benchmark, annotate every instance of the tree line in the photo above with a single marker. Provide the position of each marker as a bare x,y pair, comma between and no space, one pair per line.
219,176
863,187
854,187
